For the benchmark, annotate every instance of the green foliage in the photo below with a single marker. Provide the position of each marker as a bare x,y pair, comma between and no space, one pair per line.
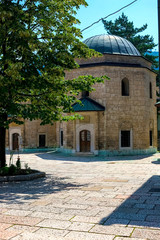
11,158
18,163
38,43
12,170
15,169
26,166
28,169
124,28
4,171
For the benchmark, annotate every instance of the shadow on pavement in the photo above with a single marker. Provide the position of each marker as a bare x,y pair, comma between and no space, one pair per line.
142,208
20,192
66,157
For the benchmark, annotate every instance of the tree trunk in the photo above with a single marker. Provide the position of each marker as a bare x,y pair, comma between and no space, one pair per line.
3,119
2,147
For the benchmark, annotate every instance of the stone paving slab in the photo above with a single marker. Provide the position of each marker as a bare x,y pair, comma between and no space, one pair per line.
120,222
23,228
145,206
50,223
46,232
144,224
17,212
86,219
87,236
3,210
153,218
122,238
19,220
4,226
83,198
31,236
147,234
81,227
113,230
70,236
49,215
8,234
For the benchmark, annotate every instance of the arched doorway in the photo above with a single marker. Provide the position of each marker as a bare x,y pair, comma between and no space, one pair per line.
85,141
15,141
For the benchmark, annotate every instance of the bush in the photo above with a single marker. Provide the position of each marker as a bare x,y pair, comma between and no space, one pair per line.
12,169
4,171
15,169
18,163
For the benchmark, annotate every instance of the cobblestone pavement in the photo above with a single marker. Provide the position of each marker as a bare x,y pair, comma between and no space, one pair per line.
83,198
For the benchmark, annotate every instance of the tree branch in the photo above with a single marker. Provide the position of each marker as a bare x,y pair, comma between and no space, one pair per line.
32,95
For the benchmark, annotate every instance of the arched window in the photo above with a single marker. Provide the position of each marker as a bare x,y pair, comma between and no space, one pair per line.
15,141
150,90
125,87
85,94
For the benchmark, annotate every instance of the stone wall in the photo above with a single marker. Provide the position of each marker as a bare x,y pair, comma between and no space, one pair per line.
135,112
30,132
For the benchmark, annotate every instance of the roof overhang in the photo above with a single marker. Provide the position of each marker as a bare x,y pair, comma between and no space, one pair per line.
88,105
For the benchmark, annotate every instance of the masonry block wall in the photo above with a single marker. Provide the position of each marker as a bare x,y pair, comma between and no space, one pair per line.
135,112
30,133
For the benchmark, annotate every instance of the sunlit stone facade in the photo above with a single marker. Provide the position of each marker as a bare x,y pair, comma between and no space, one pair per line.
120,117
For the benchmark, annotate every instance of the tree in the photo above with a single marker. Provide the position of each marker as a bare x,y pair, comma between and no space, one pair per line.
38,43
124,28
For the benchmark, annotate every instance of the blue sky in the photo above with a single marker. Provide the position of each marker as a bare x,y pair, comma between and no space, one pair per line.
141,12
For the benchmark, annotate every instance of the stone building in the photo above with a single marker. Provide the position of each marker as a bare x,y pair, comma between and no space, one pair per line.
119,117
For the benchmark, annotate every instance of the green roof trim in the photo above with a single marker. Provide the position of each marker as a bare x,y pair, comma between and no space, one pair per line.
88,105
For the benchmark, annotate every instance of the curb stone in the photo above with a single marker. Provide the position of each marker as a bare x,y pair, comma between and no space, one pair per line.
22,177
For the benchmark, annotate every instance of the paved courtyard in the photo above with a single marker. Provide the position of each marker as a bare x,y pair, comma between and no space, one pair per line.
83,198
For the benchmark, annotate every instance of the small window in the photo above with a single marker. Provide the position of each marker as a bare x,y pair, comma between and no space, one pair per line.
150,90
125,87
158,134
61,138
42,140
150,138
85,94
125,139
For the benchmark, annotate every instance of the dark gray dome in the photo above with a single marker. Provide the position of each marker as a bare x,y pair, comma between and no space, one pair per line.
111,44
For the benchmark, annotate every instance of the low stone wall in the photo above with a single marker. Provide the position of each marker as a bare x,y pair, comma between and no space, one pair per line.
127,152
27,177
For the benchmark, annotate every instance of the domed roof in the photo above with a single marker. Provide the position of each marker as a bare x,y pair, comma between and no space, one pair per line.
111,44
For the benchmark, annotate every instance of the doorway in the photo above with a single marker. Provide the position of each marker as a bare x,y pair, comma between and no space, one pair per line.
85,141
42,140
15,141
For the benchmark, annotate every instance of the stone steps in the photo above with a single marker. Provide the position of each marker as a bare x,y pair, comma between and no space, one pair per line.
84,154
